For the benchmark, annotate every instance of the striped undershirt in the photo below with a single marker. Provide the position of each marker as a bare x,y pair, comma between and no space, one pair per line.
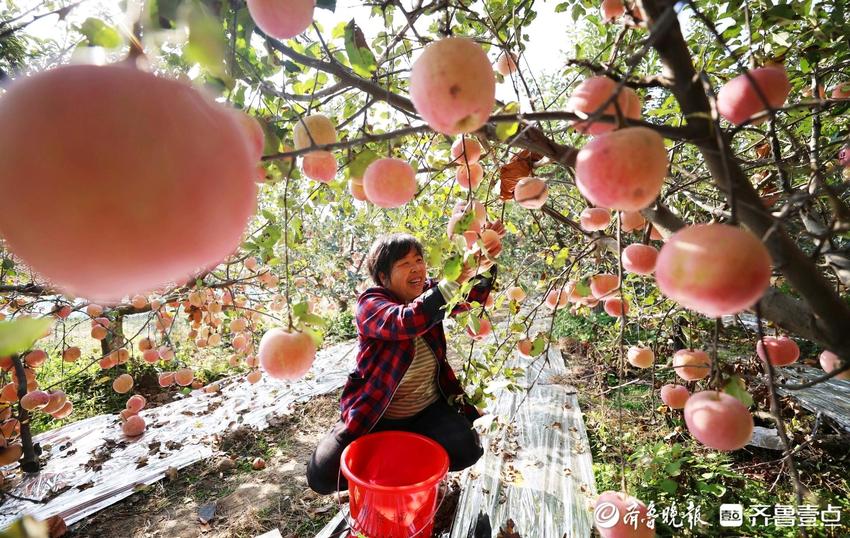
418,387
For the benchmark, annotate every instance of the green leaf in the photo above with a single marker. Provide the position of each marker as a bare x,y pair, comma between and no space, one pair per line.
452,266
737,388
270,236
361,58
271,142
20,334
207,42
578,11
244,19
717,490
673,468
363,159
459,242
562,257
291,66
338,31
507,130
164,12
435,254
582,288
474,323
537,346
314,319
780,13
100,34
299,309
315,335
330,5
8,263
464,222
668,485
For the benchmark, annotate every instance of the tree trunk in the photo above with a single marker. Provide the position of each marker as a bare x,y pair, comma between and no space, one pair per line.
29,461
115,336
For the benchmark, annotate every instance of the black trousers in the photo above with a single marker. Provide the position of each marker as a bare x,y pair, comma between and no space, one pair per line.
439,421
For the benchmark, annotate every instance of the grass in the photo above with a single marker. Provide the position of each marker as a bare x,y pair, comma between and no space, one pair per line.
635,439
637,398
665,466
276,516
90,388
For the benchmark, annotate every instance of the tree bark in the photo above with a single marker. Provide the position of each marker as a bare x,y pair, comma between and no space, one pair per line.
114,336
29,460
830,315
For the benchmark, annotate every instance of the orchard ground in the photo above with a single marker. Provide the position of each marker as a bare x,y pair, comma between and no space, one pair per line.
748,190
248,502
664,464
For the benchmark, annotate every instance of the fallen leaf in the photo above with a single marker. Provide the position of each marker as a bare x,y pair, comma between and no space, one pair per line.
171,473
508,530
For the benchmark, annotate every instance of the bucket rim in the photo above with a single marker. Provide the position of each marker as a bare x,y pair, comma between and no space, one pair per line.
418,486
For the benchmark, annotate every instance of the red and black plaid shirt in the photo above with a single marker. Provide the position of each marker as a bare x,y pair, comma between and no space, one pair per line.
386,328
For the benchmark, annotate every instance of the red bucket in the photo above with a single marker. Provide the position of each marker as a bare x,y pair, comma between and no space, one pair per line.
393,481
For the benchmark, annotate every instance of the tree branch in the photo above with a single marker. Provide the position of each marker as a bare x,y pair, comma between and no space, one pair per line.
62,12
833,315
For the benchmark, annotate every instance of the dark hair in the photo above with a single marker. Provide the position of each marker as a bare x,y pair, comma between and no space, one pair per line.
388,249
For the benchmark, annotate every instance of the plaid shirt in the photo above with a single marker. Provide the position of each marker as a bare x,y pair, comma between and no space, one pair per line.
386,328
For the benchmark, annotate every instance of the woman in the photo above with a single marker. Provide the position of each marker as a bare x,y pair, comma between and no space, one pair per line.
402,380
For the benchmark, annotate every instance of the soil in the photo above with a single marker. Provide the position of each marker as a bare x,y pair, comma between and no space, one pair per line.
242,502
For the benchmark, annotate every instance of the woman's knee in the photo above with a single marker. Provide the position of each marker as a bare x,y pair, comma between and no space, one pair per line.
322,479
323,474
464,449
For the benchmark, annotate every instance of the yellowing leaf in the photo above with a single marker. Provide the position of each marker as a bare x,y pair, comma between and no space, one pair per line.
737,388
25,527
20,334
206,41
507,130
100,34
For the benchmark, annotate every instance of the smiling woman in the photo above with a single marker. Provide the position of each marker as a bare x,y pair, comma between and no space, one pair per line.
397,264
402,380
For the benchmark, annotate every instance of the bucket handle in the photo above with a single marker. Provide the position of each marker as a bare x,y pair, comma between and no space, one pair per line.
443,482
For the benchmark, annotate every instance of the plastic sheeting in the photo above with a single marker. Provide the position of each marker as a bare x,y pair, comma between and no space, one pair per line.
91,465
338,526
832,397
537,470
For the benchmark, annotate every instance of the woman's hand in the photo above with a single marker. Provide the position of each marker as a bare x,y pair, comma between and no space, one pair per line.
478,261
473,265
